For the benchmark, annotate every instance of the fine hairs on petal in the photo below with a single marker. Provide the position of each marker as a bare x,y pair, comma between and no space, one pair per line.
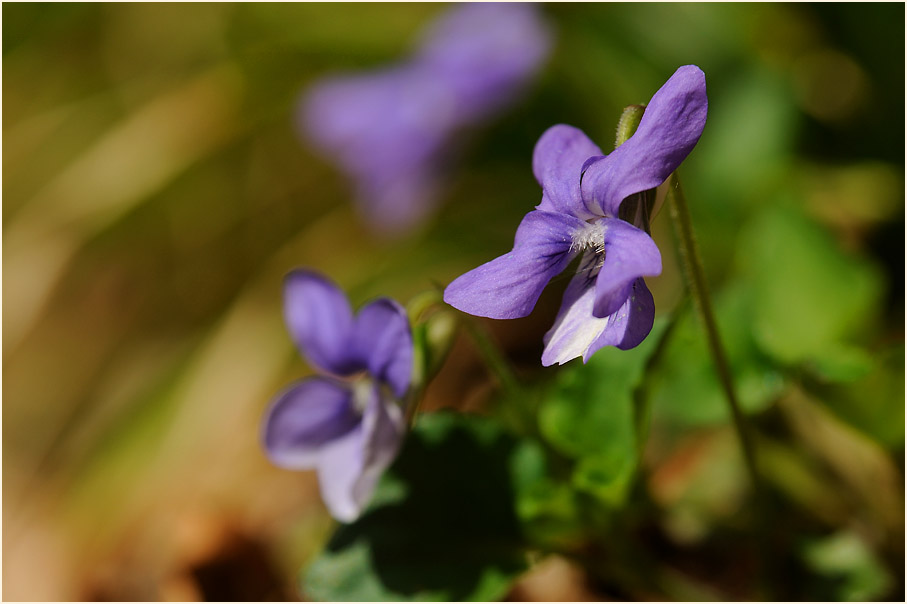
591,237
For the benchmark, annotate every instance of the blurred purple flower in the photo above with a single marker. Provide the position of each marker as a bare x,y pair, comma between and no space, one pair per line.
347,424
607,302
486,53
391,130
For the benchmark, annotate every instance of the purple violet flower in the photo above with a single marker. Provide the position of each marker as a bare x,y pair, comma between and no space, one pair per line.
486,53
391,130
607,302
348,424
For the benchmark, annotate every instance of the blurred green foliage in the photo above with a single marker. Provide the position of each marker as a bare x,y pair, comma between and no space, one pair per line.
442,526
589,416
156,191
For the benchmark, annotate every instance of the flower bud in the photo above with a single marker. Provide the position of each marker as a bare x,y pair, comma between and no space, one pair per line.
628,123
636,209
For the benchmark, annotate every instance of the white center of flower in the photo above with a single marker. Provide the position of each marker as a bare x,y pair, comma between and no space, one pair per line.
363,390
591,240
590,236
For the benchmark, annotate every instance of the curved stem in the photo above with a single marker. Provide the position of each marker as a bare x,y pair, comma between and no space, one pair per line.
412,409
513,404
695,278
492,356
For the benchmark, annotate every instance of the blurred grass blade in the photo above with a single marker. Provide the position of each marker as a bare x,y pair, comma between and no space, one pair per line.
134,160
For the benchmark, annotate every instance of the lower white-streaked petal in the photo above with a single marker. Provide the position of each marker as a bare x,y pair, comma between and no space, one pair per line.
384,428
339,468
575,328
349,467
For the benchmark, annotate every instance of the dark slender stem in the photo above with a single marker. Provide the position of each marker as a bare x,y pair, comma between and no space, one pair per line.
695,276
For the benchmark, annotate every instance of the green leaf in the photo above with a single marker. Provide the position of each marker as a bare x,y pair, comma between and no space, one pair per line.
607,477
547,507
750,136
844,557
874,404
442,525
843,364
686,391
809,295
589,415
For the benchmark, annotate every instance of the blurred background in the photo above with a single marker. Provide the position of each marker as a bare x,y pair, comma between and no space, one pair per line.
156,190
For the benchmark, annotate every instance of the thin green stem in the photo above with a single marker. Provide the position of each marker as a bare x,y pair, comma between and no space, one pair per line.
412,408
417,309
512,405
493,358
695,277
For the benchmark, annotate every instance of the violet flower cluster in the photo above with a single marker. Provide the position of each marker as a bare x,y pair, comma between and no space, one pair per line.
391,130
348,423
607,302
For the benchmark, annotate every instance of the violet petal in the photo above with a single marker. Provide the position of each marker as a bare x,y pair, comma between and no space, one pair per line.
374,122
630,325
575,329
557,162
509,286
339,468
630,253
384,428
670,128
319,320
486,52
382,339
388,131
304,418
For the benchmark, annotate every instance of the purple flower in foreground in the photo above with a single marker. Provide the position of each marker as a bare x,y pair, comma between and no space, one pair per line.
607,302
349,423
391,130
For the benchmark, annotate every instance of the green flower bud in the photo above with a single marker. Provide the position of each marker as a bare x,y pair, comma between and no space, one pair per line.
628,123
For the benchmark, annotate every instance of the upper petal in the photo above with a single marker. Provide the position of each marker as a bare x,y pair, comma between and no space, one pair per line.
557,163
383,340
509,286
630,253
319,319
670,128
304,419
